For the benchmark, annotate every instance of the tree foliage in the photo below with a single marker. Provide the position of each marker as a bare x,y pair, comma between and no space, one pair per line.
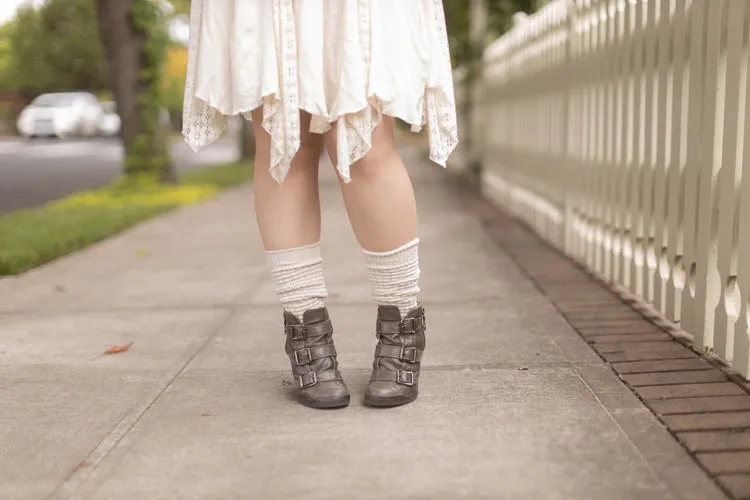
5,57
173,81
181,7
499,12
54,48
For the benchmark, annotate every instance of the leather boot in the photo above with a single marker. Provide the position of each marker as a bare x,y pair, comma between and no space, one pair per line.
395,370
310,349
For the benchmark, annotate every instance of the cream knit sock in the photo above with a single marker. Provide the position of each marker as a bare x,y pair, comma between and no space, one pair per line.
298,273
394,276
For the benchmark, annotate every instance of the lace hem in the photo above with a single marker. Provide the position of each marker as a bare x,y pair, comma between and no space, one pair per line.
203,123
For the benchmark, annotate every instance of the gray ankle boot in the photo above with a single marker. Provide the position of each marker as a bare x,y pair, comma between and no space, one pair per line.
395,370
313,356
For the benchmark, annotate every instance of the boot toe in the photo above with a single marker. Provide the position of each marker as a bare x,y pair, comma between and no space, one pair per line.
332,394
384,394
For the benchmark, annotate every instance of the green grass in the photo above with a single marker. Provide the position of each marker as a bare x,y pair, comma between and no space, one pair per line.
222,176
32,237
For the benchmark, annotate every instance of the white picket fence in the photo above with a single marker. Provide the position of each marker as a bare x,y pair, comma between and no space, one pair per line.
617,128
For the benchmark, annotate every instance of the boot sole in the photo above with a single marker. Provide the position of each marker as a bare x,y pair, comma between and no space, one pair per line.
377,402
328,404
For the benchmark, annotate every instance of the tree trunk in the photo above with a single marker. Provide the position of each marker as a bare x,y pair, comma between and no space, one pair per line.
132,75
247,141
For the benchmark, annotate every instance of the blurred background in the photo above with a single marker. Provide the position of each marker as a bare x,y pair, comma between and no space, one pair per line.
72,103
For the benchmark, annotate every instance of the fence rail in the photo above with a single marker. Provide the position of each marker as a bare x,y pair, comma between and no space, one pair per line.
617,128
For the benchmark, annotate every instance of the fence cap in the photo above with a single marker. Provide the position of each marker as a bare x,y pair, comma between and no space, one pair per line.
526,27
520,18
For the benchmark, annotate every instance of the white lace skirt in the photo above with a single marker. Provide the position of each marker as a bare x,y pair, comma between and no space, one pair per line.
347,62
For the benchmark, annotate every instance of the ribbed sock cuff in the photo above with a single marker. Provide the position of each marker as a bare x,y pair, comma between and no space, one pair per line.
394,276
298,273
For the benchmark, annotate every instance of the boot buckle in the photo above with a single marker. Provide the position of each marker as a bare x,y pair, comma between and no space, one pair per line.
306,359
301,380
412,357
405,378
297,331
408,322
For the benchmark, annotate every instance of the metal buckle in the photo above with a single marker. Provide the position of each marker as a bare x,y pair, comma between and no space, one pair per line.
406,379
303,362
404,323
300,380
294,328
404,350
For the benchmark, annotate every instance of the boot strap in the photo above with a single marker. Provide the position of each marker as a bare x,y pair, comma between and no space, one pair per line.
410,354
298,332
307,355
405,326
311,378
399,376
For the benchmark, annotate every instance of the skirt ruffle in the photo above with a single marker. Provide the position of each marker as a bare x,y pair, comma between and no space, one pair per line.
346,62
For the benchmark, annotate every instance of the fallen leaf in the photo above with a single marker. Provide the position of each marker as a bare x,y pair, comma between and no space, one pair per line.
82,465
59,288
141,252
205,414
115,349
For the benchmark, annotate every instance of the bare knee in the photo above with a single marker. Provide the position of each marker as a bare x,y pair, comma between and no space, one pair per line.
382,153
261,136
310,148
378,157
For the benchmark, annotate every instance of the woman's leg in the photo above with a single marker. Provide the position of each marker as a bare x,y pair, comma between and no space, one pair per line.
288,216
380,198
382,210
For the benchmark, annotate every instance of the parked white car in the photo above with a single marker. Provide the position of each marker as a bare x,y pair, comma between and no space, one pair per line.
61,115
109,123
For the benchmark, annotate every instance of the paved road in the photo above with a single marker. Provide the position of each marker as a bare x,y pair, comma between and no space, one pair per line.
35,172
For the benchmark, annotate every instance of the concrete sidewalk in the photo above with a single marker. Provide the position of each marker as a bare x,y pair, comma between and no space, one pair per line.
513,404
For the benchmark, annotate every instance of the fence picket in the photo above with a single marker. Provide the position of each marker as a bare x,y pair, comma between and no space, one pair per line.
617,130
